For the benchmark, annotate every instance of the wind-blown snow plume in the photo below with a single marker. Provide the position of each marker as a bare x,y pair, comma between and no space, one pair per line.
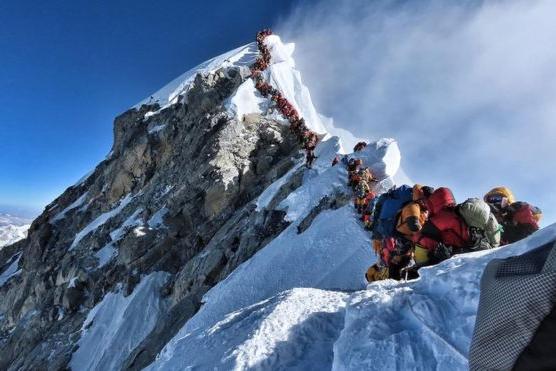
467,88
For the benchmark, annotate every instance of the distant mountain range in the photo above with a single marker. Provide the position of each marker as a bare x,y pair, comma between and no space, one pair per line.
12,229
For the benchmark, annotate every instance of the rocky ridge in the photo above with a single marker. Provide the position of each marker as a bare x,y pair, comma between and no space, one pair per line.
189,192
175,183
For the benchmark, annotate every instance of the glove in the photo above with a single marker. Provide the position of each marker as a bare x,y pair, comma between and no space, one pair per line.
442,252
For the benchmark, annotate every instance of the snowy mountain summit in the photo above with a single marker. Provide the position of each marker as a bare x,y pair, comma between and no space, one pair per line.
203,242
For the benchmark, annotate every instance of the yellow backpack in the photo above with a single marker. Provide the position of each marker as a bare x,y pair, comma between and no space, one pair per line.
377,273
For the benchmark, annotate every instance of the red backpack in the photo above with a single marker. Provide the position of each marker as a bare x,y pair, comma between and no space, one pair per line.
440,199
451,229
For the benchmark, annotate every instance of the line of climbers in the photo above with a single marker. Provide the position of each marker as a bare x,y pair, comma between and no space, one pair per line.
418,226
411,226
307,138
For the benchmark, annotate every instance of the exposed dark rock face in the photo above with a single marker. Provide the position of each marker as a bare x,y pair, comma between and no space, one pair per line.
326,203
175,195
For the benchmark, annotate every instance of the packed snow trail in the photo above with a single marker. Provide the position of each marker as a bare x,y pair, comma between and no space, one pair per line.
293,330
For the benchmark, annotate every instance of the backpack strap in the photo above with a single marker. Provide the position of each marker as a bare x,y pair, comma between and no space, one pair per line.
431,231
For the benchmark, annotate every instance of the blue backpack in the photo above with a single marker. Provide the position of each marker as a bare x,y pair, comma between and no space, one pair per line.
387,208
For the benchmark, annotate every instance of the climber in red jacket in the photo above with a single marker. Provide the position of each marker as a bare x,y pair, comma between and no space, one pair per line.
294,117
263,87
520,220
297,126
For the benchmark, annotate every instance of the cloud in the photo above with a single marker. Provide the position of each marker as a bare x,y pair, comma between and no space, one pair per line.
467,88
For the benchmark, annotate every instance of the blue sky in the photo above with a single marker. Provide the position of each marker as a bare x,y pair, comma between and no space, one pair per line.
470,112
69,67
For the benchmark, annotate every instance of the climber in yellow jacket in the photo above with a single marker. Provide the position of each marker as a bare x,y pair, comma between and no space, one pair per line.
413,217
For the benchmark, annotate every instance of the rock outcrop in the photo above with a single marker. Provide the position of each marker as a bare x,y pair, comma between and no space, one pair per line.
173,195
201,177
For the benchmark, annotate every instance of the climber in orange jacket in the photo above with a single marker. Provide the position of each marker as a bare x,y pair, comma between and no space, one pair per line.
263,87
367,175
294,116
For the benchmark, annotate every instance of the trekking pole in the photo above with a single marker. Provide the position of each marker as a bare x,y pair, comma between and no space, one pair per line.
410,265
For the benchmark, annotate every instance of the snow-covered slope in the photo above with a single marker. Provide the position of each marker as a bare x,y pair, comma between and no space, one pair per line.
118,324
12,229
425,324
333,253
330,254
282,74
323,248
243,56
295,330
280,269
302,301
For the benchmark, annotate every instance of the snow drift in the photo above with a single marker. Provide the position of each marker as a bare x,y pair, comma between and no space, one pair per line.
248,320
423,324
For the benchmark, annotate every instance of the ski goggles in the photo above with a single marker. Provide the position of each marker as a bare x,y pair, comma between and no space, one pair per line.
537,214
495,199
